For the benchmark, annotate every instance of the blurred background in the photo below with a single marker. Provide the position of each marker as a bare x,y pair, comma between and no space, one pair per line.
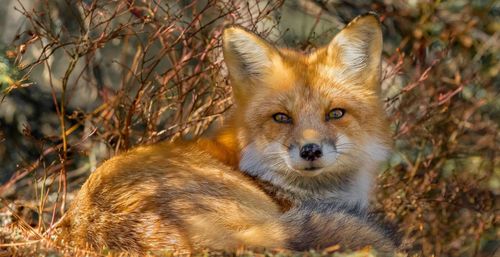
81,81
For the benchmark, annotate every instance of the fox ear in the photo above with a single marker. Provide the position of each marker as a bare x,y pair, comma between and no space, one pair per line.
358,48
247,56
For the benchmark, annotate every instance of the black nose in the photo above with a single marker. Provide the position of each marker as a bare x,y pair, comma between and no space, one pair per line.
311,152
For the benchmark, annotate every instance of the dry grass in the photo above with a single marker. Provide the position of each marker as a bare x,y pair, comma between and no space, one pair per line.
84,80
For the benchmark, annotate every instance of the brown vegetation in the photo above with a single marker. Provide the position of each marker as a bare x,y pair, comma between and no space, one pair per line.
83,80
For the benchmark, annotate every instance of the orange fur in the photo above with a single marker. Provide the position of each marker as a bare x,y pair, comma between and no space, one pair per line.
231,190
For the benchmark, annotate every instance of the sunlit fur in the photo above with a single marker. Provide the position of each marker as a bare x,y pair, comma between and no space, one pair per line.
344,74
188,196
170,196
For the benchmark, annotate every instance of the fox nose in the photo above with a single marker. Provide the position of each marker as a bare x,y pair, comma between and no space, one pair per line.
311,152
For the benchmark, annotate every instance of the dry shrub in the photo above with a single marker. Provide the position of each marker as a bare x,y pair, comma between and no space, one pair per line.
443,181
83,80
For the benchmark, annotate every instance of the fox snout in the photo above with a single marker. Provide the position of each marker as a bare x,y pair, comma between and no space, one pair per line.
311,157
311,152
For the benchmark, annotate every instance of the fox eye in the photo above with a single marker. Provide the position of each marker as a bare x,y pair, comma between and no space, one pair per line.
335,114
282,118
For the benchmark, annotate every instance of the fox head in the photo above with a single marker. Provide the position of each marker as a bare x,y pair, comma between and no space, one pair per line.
309,120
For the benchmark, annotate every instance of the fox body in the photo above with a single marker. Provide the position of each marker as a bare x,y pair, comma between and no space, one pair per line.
307,131
122,207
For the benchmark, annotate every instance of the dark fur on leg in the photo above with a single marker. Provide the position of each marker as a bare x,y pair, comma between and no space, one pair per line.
316,225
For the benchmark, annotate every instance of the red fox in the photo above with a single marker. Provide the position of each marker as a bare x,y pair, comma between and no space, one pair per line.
307,131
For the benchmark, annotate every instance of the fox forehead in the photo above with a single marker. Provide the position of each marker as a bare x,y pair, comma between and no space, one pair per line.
311,78
314,70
